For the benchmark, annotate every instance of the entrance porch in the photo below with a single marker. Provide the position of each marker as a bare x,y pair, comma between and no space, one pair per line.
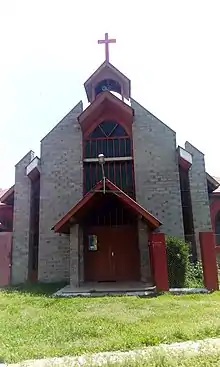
109,249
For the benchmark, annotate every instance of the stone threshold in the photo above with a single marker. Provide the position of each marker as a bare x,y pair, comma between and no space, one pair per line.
107,289
122,290
179,291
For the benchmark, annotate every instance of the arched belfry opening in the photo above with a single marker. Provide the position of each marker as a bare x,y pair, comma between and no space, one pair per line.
107,78
110,85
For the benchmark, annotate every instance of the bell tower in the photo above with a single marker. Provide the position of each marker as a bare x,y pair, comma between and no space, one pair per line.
107,78
106,126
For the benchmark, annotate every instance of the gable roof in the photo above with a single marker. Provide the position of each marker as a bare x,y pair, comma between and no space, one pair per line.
213,183
106,66
6,194
62,226
105,103
217,191
2,192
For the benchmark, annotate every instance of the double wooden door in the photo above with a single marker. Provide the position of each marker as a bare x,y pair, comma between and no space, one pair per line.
116,257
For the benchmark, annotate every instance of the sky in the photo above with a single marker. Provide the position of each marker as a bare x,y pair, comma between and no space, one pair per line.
169,49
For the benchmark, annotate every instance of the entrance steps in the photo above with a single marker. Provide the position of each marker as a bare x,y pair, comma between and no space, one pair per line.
137,289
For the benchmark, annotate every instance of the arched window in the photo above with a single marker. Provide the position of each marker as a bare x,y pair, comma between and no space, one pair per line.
110,139
217,228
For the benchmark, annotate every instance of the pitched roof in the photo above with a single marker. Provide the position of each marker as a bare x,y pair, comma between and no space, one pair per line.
218,180
105,102
109,70
62,226
2,192
6,194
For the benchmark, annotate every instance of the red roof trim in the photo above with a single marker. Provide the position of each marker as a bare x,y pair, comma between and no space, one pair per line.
8,193
97,102
154,222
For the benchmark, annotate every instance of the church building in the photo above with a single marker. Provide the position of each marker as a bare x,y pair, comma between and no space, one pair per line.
107,177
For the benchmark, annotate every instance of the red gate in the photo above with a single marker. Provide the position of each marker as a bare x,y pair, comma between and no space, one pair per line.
5,257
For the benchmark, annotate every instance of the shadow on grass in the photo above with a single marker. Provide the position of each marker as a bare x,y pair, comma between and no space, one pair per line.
35,289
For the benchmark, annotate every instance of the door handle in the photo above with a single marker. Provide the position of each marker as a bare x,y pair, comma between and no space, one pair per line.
112,253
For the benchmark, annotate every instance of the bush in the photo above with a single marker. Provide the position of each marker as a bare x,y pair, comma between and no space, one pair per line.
178,261
194,278
181,272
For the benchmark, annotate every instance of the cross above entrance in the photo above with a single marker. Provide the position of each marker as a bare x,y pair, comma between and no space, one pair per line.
106,41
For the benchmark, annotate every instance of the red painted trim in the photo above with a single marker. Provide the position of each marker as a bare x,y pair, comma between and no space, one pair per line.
153,221
158,257
208,255
214,210
184,164
106,105
7,194
124,120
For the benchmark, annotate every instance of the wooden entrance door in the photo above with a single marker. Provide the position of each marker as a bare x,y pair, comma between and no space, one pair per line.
117,255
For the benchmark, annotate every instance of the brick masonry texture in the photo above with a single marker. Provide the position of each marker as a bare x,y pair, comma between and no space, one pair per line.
61,187
74,256
21,221
145,268
156,170
199,193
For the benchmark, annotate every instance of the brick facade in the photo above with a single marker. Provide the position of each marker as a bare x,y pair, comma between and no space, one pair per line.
199,194
156,182
21,221
61,187
156,170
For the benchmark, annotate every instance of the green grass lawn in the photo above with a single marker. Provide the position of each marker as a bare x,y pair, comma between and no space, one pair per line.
35,325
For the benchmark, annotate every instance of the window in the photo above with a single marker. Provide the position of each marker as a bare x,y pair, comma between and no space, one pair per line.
110,139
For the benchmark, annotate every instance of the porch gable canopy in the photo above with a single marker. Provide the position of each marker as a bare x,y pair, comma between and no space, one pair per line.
73,215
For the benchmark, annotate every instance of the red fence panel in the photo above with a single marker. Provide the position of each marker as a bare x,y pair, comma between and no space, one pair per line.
158,258
208,255
5,258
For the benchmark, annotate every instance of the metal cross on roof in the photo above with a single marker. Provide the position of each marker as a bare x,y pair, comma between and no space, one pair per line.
106,41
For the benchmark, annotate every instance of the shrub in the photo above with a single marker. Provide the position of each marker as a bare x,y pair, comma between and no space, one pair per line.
182,272
194,278
178,261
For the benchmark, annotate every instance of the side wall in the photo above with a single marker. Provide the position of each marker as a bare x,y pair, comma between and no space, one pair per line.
61,187
21,222
199,194
156,170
